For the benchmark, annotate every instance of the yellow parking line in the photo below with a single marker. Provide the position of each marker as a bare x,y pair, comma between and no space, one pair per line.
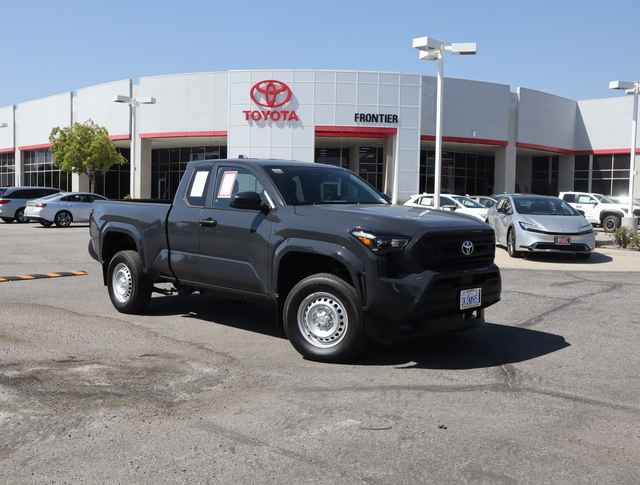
39,276
79,273
53,275
25,277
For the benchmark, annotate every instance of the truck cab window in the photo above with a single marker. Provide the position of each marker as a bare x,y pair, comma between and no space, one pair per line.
197,192
232,181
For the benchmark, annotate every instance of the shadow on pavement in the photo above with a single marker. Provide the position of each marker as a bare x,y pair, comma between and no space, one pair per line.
487,346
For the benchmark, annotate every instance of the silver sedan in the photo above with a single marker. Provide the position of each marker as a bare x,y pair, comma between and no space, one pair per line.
62,209
536,223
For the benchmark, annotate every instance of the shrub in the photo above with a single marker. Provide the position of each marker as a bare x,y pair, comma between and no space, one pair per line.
624,237
635,241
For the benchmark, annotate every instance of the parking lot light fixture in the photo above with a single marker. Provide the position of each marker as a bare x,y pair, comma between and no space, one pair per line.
430,49
4,125
133,105
633,88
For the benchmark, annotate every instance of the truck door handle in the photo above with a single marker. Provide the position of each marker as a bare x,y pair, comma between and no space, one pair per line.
208,222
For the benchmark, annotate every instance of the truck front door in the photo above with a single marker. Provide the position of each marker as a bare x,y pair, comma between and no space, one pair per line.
234,242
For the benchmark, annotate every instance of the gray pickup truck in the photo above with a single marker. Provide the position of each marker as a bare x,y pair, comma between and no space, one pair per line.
339,263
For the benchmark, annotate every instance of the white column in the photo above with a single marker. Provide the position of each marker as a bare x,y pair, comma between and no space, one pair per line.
566,172
142,173
505,169
80,183
18,166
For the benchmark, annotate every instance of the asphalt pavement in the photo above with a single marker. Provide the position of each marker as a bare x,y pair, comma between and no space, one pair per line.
208,391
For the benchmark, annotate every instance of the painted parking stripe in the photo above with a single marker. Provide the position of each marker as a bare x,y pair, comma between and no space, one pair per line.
40,276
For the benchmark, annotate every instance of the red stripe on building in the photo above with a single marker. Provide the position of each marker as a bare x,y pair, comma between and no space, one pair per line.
354,131
469,140
183,134
7,150
545,148
119,137
41,146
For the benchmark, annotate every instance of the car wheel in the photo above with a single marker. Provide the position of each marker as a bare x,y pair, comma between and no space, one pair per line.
63,219
512,245
45,223
322,319
583,256
129,287
7,220
610,223
19,216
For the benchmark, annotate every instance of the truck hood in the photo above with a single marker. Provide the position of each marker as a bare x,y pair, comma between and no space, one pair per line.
618,207
392,219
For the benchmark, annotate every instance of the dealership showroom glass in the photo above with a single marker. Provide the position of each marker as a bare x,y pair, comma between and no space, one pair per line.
380,125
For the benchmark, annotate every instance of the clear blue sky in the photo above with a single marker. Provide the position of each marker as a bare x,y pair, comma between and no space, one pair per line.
570,48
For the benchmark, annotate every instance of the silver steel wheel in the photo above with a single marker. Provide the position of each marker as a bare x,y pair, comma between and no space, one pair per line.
322,320
122,283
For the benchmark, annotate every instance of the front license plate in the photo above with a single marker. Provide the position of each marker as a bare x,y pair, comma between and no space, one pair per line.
562,240
471,298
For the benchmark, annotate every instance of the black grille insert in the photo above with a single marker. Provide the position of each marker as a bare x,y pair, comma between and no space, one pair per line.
444,251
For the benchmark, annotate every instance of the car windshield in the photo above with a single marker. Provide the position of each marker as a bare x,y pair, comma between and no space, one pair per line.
604,200
50,196
2,190
322,185
543,206
467,202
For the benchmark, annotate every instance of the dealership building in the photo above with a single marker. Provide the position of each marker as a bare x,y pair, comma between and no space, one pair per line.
381,125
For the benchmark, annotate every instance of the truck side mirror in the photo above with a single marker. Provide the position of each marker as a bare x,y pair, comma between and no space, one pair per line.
247,201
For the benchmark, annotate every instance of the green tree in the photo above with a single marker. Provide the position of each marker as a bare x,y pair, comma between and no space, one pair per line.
84,148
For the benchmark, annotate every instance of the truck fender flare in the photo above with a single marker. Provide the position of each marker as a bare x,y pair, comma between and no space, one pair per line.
129,230
335,251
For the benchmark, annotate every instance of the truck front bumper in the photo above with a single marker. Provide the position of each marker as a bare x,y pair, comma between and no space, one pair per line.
429,302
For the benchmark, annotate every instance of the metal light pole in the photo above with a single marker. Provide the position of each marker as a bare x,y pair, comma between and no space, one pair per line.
633,88
133,105
430,49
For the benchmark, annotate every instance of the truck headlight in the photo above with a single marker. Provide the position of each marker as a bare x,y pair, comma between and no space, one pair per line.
380,243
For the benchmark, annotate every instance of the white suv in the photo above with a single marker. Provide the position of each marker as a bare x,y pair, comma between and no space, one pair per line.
598,209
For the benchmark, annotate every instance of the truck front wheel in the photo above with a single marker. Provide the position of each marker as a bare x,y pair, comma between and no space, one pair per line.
129,288
322,319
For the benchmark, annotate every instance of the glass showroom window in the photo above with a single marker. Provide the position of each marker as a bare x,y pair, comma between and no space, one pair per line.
115,183
7,169
462,173
610,175
581,174
371,165
39,171
168,165
338,157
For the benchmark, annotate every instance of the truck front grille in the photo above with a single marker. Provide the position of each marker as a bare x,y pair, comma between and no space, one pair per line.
445,252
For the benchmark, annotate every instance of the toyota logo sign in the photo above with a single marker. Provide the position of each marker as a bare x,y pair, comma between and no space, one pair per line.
467,248
270,93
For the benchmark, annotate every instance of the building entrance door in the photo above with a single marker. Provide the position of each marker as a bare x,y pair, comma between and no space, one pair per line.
544,175
365,158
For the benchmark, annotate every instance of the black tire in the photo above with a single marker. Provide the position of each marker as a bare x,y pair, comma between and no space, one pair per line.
512,244
19,216
325,292
139,288
611,222
45,223
583,256
7,220
63,219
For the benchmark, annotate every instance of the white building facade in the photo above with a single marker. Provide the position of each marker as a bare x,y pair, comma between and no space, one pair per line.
380,125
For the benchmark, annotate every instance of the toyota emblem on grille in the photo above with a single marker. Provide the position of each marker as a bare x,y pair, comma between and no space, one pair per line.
467,248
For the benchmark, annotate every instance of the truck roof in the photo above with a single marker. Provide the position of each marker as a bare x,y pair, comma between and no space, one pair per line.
261,161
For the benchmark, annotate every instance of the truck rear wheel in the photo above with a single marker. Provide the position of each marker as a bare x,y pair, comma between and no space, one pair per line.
129,288
322,319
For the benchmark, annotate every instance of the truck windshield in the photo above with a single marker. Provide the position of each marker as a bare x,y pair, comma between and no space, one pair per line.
321,185
542,206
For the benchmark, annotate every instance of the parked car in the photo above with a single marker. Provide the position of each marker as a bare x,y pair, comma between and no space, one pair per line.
599,209
451,202
62,208
483,200
337,260
537,223
14,201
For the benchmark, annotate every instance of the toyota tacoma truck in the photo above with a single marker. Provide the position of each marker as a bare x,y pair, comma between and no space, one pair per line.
338,262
